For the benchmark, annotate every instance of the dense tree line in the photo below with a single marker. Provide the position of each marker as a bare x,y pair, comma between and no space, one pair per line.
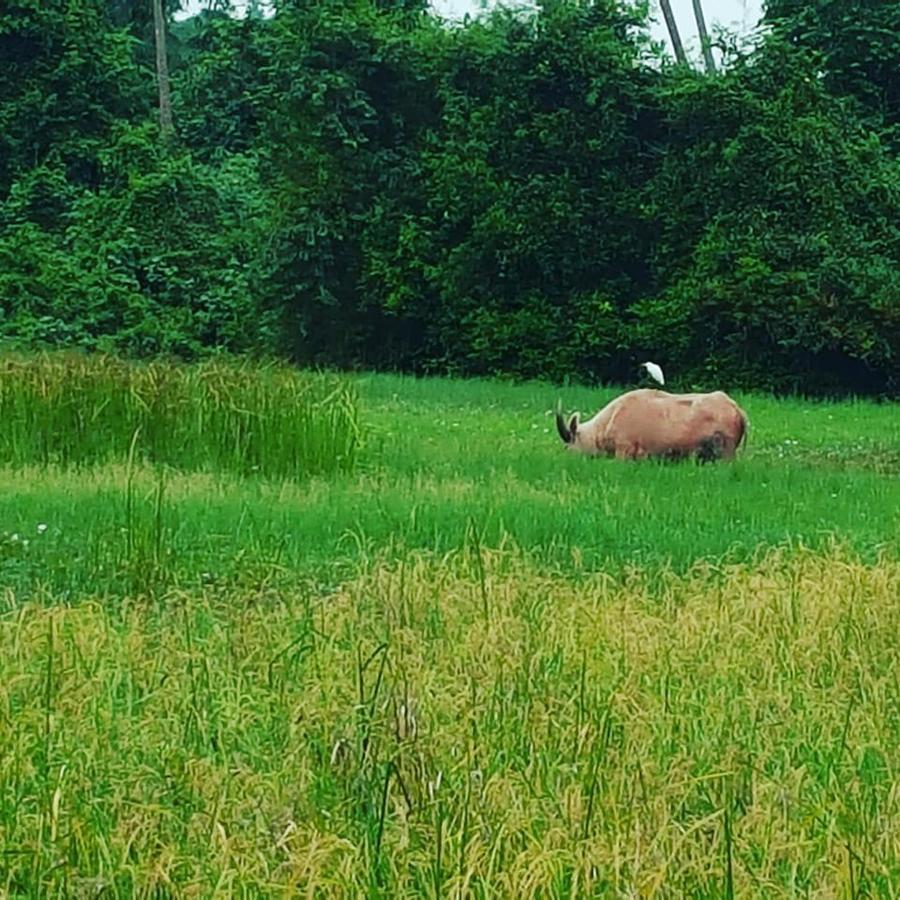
533,194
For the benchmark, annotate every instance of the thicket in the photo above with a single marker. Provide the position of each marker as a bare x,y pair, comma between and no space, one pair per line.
533,194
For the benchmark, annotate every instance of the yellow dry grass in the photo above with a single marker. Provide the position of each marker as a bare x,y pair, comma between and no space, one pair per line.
465,726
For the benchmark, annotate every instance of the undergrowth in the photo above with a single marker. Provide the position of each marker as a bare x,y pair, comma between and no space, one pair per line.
459,725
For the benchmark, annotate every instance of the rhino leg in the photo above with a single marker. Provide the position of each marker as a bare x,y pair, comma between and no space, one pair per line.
712,448
631,450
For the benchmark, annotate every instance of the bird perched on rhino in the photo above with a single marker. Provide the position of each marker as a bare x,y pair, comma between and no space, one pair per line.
653,423
654,371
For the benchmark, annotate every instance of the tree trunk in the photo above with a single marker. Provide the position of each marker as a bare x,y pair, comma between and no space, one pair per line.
673,32
162,71
704,37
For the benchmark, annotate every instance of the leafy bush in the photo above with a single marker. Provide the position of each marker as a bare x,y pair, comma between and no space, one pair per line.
349,99
525,196
780,234
161,261
457,199
67,78
856,44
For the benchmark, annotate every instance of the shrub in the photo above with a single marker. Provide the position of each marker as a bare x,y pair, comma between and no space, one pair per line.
779,236
160,261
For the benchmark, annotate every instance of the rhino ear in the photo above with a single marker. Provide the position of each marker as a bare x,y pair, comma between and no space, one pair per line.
573,424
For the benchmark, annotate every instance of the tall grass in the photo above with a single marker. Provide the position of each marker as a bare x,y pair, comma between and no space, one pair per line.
474,665
440,455
462,725
74,409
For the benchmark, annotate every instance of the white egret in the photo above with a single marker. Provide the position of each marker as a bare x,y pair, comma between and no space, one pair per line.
654,371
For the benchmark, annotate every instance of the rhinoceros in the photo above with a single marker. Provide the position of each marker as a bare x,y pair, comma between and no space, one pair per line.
653,423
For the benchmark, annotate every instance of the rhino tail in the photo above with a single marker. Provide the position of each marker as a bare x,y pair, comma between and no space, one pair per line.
744,429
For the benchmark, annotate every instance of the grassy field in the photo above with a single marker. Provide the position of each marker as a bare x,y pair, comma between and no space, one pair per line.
443,461
466,663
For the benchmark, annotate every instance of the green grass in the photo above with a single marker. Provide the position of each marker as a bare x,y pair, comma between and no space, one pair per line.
73,409
443,457
473,665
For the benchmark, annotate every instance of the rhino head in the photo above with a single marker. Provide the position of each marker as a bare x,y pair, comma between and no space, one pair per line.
568,431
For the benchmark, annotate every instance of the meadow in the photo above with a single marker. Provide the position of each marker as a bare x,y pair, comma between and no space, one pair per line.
460,661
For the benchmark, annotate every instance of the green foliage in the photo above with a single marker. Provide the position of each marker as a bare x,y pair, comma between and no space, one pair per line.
66,78
215,90
857,44
530,245
538,202
440,188
527,194
346,106
159,261
780,221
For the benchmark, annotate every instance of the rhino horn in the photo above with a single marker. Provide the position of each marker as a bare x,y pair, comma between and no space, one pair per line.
561,426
